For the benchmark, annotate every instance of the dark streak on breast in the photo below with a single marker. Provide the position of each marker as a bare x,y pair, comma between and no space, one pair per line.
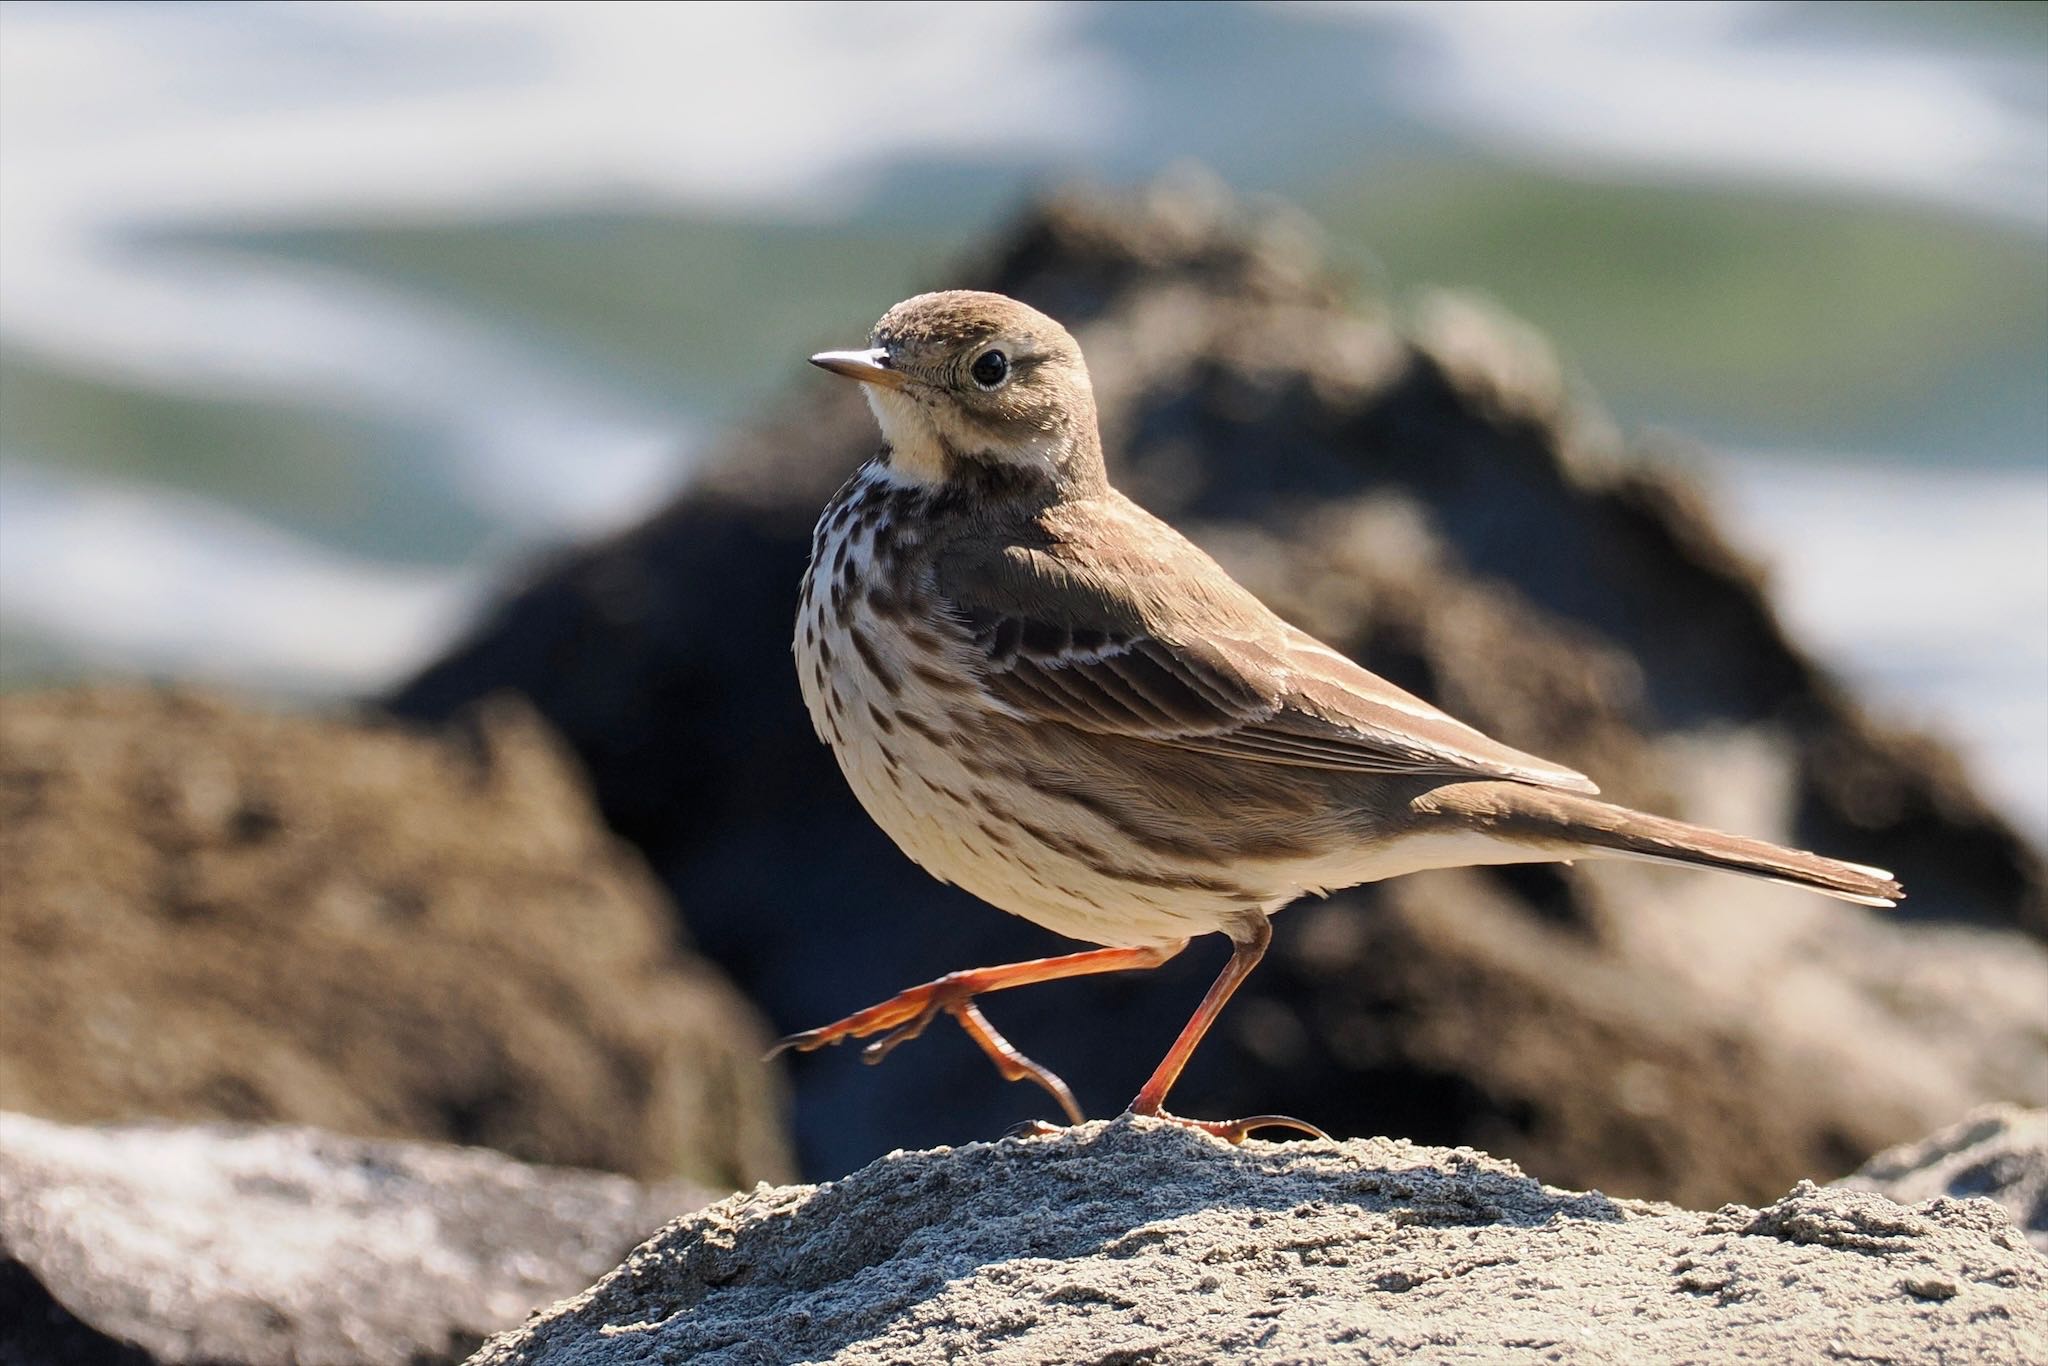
870,656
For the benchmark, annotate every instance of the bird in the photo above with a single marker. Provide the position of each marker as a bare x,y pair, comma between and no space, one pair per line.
1050,698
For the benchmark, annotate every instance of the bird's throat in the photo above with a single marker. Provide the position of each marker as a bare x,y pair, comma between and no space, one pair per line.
918,452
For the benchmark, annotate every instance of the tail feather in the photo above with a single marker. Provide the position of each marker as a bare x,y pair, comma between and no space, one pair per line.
1569,825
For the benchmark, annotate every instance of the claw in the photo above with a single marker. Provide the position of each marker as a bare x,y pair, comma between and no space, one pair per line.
1032,1128
802,1043
882,1047
907,1011
806,1041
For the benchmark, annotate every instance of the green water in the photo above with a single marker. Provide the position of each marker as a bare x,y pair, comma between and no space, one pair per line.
1750,317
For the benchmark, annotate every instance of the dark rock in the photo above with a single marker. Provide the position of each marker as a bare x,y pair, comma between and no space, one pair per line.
1139,1241
1436,502
230,1244
211,912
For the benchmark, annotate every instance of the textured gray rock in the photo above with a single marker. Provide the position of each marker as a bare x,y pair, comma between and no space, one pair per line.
1140,1241
231,1244
1999,1153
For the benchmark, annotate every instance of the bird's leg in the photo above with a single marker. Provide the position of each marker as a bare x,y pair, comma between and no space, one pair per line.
906,1014
1151,1098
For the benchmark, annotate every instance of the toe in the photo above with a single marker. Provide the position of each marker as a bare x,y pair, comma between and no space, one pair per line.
1033,1128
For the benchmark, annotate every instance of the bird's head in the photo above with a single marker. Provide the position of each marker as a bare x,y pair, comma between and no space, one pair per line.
969,384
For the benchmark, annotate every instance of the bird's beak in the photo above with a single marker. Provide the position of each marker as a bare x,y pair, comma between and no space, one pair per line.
869,367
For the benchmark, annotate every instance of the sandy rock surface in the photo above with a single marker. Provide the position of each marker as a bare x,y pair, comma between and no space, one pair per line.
1137,1241
1428,492
240,1246
1999,1153
209,911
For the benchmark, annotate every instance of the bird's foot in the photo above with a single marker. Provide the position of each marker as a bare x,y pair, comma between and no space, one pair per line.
1238,1130
906,1014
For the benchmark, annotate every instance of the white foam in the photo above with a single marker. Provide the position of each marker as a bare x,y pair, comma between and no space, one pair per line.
142,580
1732,91
241,111
1927,587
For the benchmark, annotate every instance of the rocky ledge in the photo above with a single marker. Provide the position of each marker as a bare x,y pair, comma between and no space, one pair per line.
1140,1241
240,1245
214,912
1999,1153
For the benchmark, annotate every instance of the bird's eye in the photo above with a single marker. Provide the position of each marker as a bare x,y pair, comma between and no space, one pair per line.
990,369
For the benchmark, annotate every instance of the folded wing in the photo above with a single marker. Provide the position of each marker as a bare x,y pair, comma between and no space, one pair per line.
1160,644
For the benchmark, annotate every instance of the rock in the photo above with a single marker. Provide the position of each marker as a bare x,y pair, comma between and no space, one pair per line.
1439,503
216,913
1998,1153
1140,1241
227,1244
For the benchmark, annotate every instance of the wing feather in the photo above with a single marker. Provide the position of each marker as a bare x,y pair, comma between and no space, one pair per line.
1164,646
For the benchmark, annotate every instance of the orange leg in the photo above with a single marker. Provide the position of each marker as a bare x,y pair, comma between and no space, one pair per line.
906,1014
1151,1098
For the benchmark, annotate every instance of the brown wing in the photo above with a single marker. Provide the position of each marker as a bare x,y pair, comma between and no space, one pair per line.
1133,631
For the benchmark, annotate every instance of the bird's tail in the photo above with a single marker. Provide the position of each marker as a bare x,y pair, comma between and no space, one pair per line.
1568,825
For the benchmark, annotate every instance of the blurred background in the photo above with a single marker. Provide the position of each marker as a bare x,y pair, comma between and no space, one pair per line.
317,319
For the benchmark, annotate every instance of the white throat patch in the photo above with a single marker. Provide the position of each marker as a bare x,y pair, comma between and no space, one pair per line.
917,452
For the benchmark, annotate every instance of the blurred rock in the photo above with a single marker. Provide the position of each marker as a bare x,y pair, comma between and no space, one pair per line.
215,913
1138,1241
1441,505
228,1244
1999,1153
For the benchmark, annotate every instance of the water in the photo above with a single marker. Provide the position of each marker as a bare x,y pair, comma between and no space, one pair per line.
1945,630
314,320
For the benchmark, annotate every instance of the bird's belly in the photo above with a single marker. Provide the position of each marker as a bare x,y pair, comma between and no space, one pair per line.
915,753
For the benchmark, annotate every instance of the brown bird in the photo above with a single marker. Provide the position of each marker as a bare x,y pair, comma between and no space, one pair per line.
1050,698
